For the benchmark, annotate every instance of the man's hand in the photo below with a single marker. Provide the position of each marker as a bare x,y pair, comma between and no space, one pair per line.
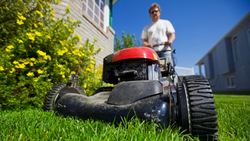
146,44
167,43
150,46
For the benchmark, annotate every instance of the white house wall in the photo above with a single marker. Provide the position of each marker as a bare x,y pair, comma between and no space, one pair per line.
88,28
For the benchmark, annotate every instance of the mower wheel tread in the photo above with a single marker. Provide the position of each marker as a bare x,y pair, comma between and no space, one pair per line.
200,94
202,107
211,124
198,97
58,91
205,91
195,83
206,111
209,106
198,115
199,87
204,119
196,102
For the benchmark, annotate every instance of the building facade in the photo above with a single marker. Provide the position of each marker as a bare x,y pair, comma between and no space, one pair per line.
227,64
96,22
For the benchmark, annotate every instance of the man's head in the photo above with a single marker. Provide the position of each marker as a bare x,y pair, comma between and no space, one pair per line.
155,12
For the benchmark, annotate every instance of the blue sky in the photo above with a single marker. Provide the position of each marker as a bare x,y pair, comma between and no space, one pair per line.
199,24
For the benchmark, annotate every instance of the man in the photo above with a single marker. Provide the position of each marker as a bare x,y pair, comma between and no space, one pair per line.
160,34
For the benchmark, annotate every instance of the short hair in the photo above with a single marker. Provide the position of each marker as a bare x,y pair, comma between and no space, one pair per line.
154,5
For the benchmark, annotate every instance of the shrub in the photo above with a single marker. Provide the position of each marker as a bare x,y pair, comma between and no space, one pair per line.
38,52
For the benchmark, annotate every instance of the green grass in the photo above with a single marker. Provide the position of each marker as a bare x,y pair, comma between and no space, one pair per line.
35,124
39,125
233,117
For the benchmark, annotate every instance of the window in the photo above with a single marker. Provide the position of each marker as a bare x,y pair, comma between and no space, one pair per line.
95,9
235,50
248,34
230,82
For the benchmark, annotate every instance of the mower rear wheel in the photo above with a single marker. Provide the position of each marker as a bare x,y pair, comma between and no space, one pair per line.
202,107
57,92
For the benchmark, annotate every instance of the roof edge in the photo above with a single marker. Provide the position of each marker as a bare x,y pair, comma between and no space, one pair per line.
226,35
114,2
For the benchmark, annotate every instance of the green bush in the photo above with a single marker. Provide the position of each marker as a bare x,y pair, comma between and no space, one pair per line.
94,81
38,52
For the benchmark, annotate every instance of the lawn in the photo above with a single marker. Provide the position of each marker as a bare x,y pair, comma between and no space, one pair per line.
233,117
35,124
38,125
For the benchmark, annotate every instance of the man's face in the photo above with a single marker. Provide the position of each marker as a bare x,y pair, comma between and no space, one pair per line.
155,14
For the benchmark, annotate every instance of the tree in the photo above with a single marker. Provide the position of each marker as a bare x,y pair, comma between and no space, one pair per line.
128,41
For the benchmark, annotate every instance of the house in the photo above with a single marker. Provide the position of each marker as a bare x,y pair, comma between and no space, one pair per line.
227,64
96,22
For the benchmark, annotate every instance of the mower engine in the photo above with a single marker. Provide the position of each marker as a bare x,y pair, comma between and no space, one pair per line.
117,69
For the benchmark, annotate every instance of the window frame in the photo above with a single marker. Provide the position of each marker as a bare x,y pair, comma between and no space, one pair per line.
230,82
234,47
248,34
96,13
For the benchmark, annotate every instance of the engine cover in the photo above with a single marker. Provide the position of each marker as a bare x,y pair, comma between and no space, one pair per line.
129,92
136,53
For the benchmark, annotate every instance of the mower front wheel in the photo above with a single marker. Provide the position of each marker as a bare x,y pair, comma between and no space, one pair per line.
201,108
57,92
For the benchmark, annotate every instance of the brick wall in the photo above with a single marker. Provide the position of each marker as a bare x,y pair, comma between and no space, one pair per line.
88,28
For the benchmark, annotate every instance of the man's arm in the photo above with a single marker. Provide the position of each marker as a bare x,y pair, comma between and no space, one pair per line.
146,44
171,38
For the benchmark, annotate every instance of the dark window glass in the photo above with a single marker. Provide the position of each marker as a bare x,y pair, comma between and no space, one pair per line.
97,2
228,82
102,6
232,81
235,50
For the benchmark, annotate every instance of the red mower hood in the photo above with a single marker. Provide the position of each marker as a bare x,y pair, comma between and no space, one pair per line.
135,52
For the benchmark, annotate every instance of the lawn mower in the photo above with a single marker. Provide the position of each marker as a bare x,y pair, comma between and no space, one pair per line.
145,86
